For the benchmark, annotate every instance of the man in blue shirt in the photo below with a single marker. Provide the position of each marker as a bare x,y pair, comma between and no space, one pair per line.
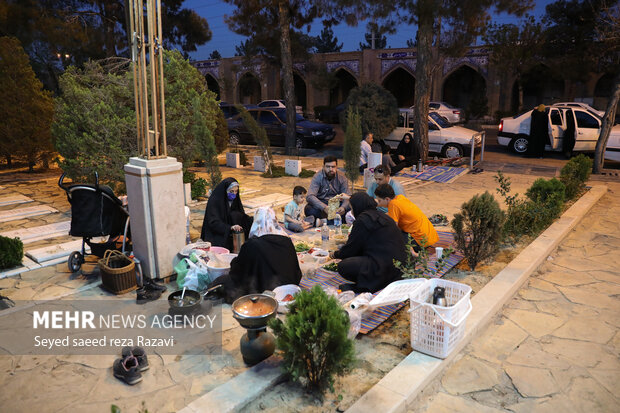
382,176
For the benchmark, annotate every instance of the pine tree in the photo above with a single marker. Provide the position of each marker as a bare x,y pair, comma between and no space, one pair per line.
326,42
26,108
215,55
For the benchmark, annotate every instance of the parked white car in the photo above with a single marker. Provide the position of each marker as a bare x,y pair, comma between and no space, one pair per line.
582,105
278,103
514,132
443,137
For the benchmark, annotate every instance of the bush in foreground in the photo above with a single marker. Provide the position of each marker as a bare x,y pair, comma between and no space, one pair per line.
575,174
478,228
313,339
11,252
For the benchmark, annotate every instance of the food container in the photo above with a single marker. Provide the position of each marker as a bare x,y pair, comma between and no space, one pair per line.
222,268
320,255
282,292
253,311
219,250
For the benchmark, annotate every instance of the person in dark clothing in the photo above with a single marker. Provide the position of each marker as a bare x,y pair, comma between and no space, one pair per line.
266,260
539,132
375,241
568,140
406,154
224,214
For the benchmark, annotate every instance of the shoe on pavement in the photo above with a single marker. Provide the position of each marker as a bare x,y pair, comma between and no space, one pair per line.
152,285
145,294
139,354
126,369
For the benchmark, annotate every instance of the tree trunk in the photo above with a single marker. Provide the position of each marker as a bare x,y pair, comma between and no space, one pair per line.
287,69
608,122
423,75
9,161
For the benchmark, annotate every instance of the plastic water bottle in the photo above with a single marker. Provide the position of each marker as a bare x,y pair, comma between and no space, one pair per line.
337,223
325,232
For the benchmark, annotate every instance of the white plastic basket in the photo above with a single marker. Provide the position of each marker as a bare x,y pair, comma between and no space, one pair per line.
435,330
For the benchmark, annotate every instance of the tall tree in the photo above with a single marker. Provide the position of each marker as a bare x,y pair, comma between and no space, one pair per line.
266,20
57,33
26,108
326,42
514,49
215,55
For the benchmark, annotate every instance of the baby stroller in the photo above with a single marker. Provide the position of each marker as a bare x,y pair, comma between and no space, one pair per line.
95,212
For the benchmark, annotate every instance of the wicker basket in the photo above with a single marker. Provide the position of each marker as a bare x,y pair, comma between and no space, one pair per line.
118,272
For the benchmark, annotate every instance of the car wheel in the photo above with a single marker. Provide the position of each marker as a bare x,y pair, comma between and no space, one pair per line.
452,150
234,139
299,142
75,261
519,145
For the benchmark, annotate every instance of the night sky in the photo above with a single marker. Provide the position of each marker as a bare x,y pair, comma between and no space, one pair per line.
225,41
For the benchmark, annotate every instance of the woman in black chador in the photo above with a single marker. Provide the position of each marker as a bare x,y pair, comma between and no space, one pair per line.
375,241
224,214
266,260
406,154
539,132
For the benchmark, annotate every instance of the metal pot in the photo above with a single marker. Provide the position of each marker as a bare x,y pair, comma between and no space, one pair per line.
253,311
173,299
238,240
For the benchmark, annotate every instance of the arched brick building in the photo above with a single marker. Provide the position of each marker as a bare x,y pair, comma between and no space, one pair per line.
457,80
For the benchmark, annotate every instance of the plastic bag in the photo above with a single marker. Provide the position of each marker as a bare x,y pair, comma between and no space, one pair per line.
355,323
194,276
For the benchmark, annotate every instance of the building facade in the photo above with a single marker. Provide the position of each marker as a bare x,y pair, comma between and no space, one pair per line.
327,78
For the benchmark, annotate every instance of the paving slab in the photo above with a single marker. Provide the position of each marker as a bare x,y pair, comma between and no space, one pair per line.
534,323
21,213
585,329
469,375
14,199
52,252
531,381
33,234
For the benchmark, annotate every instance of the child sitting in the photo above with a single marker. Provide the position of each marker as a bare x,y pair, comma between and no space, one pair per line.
293,211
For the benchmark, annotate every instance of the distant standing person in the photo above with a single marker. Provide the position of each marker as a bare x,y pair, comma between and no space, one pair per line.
409,218
539,132
326,184
568,140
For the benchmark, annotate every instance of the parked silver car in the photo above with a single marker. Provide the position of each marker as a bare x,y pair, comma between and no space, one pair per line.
453,114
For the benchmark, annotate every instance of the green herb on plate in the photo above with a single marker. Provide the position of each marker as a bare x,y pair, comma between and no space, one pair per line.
332,266
302,247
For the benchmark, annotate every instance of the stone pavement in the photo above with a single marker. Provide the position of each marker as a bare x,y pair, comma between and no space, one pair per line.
555,346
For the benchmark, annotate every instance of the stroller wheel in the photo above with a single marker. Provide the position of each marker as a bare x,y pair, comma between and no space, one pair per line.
75,261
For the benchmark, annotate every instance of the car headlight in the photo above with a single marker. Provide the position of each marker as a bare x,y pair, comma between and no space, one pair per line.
316,133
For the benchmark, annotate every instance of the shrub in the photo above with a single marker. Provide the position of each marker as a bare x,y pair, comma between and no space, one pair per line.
221,132
478,228
313,339
575,174
188,177
377,108
11,252
550,193
260,136
417,266
531,215
306,173
199,188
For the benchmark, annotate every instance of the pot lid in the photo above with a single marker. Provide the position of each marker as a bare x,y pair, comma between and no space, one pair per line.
254,305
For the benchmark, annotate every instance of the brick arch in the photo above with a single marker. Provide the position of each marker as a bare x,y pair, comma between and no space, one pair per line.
403,89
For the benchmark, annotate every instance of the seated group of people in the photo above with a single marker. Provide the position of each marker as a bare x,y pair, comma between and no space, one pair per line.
383,220
405,155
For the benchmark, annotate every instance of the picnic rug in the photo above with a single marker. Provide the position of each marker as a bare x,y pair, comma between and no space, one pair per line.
373,320
444,174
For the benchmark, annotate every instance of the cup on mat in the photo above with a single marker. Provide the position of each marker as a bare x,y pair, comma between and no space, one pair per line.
439,251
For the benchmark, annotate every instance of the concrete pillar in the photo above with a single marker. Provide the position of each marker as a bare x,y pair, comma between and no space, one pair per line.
156,211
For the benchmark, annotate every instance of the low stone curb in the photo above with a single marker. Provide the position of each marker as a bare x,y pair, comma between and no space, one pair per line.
240,390
401,386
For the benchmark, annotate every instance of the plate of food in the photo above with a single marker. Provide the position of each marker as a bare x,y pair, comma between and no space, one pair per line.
331,266
285,294
302,247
